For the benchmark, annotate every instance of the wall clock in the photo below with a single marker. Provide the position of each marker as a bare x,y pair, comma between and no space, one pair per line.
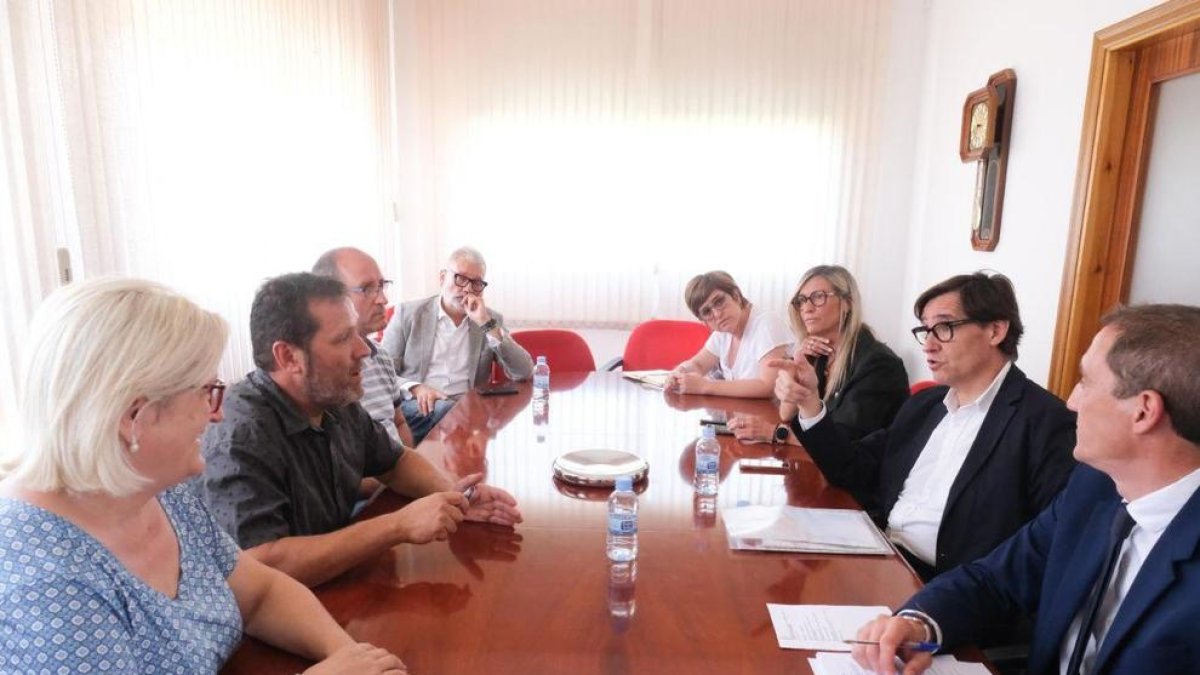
984,139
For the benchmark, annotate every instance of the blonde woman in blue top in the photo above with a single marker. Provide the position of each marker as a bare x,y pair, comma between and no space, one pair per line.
108,562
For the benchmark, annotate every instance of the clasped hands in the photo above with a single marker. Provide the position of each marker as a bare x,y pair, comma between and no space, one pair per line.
685,380
436,516
796,387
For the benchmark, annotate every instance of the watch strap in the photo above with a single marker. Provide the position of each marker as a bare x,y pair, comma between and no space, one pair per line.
488,325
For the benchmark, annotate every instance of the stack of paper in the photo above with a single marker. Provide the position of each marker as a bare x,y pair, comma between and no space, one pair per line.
843,664
819,627
791,528
650,378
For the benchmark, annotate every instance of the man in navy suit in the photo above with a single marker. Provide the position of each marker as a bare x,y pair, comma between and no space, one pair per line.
1108,600
965,464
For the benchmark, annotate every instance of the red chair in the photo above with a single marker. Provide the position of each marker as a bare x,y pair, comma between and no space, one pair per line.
921,386
565,351
661,344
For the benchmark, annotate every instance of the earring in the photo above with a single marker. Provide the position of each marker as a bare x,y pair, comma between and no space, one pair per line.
134,447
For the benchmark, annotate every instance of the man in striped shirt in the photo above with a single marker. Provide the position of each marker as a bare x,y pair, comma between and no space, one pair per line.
382,393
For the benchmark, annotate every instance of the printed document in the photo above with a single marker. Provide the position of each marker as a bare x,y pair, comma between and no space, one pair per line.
791,528
819,627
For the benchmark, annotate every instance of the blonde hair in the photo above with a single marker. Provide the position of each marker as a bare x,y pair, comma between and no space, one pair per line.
849,324
96,347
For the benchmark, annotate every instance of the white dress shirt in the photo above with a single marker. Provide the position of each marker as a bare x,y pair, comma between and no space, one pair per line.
916,518
1151,515
450,368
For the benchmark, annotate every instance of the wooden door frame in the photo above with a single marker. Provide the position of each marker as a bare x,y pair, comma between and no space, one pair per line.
1112,158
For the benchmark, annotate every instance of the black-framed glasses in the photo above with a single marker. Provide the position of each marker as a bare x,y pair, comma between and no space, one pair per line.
717,304
942,330
372,290
462,281
216,395
817,298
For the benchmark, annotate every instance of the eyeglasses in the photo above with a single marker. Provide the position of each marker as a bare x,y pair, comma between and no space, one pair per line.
817,298
216,394
462,281
718,303
372,290
942,330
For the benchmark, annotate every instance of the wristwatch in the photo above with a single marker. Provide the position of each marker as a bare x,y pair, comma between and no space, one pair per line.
780,435
488,325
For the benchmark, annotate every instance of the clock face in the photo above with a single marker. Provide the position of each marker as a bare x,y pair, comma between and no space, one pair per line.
979,125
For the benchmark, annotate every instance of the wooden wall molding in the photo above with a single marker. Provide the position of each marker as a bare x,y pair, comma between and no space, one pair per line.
1128,58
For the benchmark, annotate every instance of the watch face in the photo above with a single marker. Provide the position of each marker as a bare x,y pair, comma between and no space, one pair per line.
979,125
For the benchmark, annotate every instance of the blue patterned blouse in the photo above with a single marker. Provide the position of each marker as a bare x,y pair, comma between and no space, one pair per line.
68,606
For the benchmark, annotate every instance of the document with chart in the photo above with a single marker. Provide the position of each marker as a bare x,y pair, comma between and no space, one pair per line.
791,528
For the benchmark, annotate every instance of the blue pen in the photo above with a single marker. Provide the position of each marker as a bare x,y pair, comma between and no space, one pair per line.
911,646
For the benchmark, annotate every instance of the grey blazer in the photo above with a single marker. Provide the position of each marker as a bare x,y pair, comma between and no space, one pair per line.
409,339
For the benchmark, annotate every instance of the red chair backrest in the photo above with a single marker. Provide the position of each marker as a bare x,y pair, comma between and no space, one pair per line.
921,386
662,344
565,350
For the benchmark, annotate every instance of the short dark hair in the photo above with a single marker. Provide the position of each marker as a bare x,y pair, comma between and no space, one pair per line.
984,297
280,312
703,285
1155,349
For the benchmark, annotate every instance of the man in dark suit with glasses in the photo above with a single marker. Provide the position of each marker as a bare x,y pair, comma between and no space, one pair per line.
964,464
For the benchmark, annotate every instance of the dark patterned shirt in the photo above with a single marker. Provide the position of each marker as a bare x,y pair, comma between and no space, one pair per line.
271,474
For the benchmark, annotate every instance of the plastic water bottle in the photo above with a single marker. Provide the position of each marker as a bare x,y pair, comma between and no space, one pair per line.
622,522
541,418
708,462
541,379
622,580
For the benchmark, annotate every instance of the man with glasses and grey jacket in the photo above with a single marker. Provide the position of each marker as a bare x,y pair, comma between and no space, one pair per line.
445,345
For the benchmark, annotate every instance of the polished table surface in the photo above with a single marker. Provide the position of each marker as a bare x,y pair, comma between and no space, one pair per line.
543,598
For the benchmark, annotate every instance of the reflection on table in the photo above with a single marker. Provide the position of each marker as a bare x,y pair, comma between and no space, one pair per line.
544,599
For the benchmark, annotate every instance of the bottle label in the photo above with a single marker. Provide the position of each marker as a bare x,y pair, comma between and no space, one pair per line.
622,524
707,464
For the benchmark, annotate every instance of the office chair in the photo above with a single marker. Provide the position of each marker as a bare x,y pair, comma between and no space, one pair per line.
565,350
660,344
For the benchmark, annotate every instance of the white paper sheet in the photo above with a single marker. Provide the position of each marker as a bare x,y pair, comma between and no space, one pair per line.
843,664
819,627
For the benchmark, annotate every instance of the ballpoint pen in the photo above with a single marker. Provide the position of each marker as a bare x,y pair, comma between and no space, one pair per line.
909,645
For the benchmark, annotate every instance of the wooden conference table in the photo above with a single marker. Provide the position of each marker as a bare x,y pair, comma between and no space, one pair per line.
545,599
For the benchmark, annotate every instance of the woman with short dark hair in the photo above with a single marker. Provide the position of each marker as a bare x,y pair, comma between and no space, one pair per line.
734,360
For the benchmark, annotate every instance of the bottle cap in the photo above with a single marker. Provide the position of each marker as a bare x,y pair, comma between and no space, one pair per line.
541,359
708,431
625,484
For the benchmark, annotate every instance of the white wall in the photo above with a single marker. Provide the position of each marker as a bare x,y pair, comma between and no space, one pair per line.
1048,44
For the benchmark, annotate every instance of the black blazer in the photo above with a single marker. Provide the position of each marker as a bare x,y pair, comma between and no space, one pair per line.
875,387
1019,461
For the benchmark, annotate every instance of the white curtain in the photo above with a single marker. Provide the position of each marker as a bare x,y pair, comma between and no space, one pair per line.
33,212
207,145
601,153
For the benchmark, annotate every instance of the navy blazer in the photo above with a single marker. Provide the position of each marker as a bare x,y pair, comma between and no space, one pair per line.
1019,461
1050,566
